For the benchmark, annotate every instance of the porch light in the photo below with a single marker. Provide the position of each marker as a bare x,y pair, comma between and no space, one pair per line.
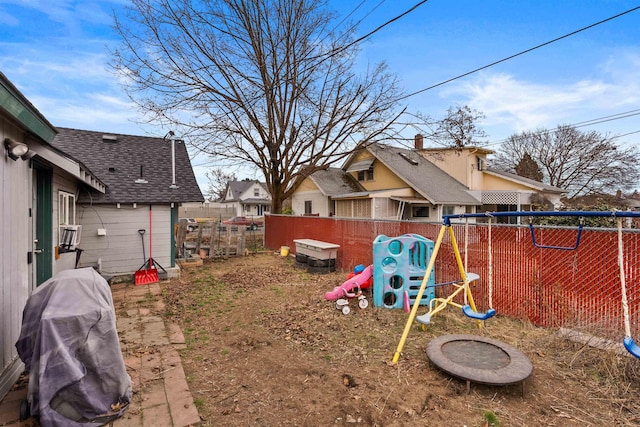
17,150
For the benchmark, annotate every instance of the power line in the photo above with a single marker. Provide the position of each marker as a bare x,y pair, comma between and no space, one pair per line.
590,122
585,124
370,33
613,116
517,54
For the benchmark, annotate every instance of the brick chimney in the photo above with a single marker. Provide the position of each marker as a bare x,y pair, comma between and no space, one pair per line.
418,141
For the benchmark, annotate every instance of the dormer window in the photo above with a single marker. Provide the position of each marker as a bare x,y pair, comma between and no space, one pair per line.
366,175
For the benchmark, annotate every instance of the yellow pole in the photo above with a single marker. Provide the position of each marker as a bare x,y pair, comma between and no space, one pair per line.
463,273
416,304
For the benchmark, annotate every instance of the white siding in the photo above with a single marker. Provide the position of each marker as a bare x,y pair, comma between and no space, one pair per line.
385,208
319,202
120,250
15,273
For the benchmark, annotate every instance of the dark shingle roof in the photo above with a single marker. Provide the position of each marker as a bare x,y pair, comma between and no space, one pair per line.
239,187
124,159
335,181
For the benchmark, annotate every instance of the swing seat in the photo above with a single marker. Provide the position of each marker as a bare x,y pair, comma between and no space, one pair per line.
424,319
472,277
468,311
631,347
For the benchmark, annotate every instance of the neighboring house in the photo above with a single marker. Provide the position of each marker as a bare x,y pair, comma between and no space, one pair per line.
36,198
248,198
402,184
497,191
146,178
425,184
314,195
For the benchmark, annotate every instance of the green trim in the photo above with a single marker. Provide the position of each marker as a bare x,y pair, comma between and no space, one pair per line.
16,105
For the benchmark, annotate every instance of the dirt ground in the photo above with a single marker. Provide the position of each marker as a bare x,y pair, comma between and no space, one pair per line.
264,348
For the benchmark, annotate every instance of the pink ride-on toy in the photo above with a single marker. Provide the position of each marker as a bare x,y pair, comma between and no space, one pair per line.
352,289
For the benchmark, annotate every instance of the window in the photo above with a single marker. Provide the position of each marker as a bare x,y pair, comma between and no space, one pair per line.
421,211
366,175
69,232
256,192
66,208
447,210
307,207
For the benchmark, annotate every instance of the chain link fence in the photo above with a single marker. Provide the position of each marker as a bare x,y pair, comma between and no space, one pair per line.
573,288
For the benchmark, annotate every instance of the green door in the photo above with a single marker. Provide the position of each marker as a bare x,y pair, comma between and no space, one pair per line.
43,244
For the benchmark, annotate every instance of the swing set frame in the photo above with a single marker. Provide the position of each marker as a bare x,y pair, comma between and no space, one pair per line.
462,286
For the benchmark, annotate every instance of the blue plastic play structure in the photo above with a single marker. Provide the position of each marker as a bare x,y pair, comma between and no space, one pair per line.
399,268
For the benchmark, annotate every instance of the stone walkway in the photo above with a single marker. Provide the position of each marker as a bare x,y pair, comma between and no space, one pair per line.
161,395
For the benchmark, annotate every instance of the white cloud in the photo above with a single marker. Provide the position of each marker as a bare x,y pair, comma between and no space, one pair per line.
514,105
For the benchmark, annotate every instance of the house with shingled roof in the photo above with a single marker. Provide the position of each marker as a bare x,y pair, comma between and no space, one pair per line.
40,184
314,194
146,180
248,197
426,184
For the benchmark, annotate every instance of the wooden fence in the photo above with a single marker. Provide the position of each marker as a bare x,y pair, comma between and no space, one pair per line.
214,240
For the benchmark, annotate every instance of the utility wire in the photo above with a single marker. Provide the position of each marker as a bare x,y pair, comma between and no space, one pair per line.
515,55
613,117
370,33
584,124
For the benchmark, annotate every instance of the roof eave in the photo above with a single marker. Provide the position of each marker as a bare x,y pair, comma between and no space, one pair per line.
17,106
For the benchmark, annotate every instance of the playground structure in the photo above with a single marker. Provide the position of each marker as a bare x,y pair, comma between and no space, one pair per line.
400,268
462,285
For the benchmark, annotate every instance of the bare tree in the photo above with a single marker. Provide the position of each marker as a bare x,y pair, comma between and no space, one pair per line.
218,179
582,163
458,129
264,83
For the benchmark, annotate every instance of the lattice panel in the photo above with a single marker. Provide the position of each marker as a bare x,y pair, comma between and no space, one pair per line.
499,198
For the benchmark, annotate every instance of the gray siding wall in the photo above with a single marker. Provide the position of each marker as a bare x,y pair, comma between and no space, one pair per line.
62,182
120,250
16,275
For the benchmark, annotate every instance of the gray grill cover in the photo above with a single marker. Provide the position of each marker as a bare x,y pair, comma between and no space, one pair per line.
69,344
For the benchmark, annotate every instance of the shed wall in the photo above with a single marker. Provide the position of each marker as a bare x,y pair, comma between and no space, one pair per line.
120,250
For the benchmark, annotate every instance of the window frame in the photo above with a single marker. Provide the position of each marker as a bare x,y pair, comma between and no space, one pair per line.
446,208
417,209
366,175
66,208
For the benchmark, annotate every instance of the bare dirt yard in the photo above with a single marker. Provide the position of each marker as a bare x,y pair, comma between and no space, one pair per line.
264,348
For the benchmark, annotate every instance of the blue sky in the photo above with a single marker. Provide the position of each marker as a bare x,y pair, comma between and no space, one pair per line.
55,52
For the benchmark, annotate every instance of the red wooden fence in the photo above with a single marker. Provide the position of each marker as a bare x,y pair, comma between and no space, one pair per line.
572,288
